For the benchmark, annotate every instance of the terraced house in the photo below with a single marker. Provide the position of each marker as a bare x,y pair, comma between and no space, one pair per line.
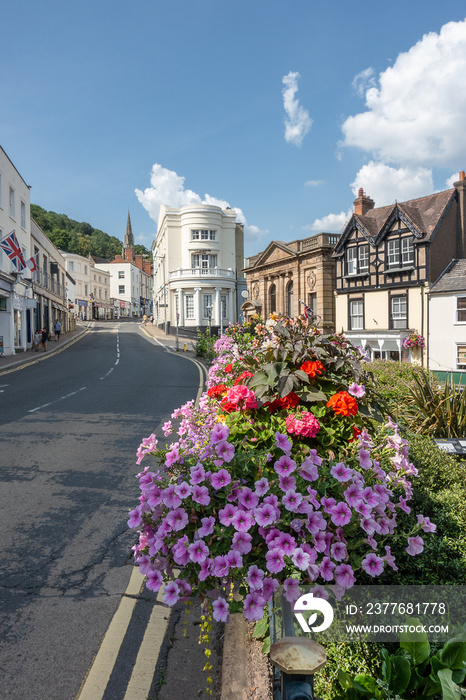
387,259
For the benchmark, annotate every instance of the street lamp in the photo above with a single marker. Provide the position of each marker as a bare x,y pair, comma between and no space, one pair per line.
209,316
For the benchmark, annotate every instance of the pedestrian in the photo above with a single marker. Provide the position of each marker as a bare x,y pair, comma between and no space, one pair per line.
151,318
37,340
44,338
57,329
144,320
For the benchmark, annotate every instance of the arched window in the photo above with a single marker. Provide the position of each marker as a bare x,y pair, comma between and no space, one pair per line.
272,298
289,299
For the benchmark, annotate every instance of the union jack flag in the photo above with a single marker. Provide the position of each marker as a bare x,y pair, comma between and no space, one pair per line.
12,248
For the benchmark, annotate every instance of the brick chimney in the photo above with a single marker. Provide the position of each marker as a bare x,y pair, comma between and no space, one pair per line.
460,187
362,203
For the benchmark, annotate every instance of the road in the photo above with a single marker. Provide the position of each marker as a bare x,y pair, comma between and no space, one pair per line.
70,425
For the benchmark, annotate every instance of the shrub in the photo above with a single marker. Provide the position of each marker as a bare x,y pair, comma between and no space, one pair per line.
204,345
439,411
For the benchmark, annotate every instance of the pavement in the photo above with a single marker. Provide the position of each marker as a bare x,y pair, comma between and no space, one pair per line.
230,642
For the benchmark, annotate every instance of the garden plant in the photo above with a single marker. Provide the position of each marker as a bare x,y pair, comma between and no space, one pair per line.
285,473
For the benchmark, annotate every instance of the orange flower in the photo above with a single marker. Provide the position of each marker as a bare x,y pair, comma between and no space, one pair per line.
343,404
312,368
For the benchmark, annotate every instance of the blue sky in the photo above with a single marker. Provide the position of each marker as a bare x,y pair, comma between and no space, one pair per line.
279,109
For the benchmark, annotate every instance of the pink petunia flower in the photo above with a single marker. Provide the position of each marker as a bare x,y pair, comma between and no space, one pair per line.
171,593
170,497
177,519
254,578
341,472
247,498
275,561
285,465
198,551
220,479
254,605
340,514
282,442
327,568
183,490
262,486
225,450
356,390
372,564
426,524
415,545
242,521
291,589
344,575
197,474
301,559
154,581
269,586
242,542
265,515
220,610
225,515
291,500
390,559
207,527
219,432
364,459
201,495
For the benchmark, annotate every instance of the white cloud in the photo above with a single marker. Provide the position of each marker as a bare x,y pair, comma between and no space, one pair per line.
313,183
385,184
298,121
417,113
364,80
167,187
332,223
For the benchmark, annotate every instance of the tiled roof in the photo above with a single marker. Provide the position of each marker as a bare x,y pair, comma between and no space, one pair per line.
424,212
453,279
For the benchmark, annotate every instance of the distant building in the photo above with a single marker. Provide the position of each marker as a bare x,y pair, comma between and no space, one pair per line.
386,261
286,274
80,287
198,262
130,279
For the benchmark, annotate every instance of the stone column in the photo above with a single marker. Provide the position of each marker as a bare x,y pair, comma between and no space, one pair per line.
231,313
217,307
197,306
180,307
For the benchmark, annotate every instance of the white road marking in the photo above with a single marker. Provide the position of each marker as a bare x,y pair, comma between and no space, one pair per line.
117,360
38,408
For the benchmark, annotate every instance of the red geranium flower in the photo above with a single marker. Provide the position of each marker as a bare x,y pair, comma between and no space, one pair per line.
343,404
228,368
291,400
356,433
215,392
312,368
242,376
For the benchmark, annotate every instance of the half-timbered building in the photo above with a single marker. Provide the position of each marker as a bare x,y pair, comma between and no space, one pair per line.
386,260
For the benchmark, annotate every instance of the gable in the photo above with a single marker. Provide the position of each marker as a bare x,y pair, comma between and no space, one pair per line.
275,252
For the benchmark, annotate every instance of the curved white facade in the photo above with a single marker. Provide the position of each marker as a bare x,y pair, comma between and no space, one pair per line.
198,257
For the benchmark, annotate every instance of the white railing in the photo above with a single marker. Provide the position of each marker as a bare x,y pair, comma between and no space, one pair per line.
201,272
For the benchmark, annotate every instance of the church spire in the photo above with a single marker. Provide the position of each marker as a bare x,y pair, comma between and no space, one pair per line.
129,238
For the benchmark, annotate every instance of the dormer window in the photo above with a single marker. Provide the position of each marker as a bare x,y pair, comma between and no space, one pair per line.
357,260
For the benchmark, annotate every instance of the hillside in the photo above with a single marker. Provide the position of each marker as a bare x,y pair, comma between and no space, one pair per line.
78,237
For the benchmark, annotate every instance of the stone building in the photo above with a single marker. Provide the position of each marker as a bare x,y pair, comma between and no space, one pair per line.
284,275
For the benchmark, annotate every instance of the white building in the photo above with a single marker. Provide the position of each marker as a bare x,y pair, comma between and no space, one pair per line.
130,279
91,292
49,283
16,295
447,322
124,286
198,263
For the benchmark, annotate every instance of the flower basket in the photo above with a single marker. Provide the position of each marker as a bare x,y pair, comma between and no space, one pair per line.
283,475
414,341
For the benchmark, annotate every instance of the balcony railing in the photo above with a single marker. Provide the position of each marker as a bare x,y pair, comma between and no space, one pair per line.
200,272
47,281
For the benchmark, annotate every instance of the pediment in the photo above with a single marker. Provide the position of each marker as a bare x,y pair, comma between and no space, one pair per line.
407,217
276,251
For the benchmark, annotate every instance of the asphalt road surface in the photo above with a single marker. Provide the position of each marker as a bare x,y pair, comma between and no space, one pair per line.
69,429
